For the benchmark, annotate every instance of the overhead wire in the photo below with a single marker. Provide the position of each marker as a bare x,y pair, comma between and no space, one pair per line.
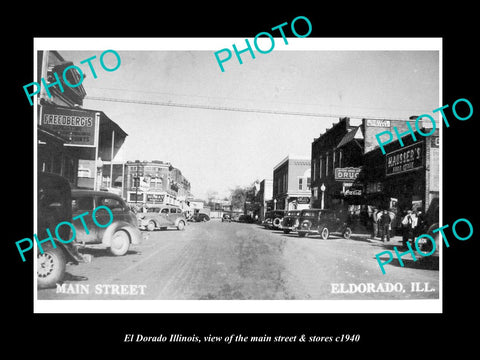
237,109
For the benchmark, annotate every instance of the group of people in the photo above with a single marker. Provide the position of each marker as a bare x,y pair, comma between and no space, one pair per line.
411,225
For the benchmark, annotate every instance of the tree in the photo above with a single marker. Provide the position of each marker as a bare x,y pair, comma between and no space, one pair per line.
237,198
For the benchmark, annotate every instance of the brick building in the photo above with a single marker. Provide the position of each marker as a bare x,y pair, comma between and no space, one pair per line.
406,176
291,183
158,182
338,157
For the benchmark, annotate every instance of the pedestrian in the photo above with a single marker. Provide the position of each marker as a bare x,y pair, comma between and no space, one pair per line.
419,229
384,225
374,222
409,224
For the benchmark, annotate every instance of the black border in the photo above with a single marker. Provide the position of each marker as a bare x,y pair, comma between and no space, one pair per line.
381,334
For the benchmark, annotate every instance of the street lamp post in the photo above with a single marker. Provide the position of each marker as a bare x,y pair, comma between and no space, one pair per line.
99,165
322,188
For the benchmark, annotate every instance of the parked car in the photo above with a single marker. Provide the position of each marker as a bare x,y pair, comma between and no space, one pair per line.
162,217
119,235
322,222
201,217
430,223
246,219
290,221
226,218
273,219
54,206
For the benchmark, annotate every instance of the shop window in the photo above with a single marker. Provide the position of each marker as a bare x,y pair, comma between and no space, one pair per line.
320,167
136,197
326,165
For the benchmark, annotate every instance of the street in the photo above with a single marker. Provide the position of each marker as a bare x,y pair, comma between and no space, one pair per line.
219,260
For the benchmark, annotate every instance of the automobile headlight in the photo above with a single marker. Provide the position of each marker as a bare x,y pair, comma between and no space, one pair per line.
306,224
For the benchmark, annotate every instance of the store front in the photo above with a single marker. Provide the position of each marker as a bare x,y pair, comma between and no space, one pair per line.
89,136
405,178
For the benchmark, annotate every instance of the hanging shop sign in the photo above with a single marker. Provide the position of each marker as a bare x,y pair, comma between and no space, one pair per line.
303,200
347,174
406,159
352,192
77,126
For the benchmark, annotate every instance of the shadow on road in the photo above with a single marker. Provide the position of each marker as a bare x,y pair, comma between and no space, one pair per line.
70,277
422,263
98,252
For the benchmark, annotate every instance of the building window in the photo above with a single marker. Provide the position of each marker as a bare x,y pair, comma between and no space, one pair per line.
320,167
340,158
300,183
314,170
309,183
326,165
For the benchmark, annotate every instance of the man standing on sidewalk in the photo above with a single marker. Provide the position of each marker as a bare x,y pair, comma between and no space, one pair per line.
409,224
384,225
375,213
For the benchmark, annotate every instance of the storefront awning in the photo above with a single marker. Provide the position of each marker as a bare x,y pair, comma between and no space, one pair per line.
86,130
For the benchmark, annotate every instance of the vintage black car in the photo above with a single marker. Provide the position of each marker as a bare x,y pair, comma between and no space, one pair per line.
290,221
226,218
54,207
322,222
245,219
201,217
273,219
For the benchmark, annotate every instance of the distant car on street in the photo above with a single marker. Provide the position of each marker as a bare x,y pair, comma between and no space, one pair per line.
201,217
245,219
322,222
290,221
162,217
226,218
273,219
119,235
55,206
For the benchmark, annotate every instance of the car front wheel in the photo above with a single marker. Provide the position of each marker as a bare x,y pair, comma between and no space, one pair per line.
181,225
50,267
120,243
324,233
347,233
151,225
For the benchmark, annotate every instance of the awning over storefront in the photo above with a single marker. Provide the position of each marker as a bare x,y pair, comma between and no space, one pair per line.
92,132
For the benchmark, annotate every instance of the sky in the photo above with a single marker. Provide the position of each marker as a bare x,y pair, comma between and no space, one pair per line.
217,150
